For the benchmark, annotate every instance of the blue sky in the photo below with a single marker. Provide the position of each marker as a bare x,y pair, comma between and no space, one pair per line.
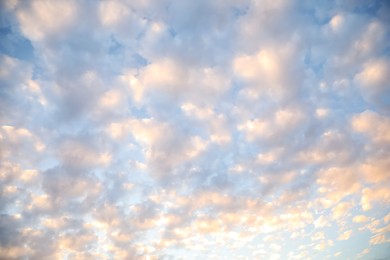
201,129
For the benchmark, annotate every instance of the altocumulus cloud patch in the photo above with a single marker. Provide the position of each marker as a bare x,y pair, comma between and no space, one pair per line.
194,129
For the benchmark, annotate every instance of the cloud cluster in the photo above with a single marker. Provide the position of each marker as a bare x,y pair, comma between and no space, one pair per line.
194,129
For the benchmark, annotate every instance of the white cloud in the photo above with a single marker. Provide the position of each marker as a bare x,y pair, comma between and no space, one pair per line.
345,235
374,125
111,13
179,129
337,183
341,209
380,194
360,219
43,19
321,222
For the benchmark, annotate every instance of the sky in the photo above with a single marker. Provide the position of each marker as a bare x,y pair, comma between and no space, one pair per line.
178,129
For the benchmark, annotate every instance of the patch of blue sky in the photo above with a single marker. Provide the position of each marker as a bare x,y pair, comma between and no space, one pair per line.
15,45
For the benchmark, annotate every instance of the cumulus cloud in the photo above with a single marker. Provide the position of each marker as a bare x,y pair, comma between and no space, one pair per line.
194,129
346,235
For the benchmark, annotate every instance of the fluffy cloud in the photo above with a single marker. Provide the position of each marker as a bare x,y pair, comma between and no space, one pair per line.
365,123
373,80
207,129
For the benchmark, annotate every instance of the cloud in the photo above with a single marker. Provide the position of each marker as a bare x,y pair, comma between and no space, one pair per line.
45,19
336,183
373,81
171,129
346,235
360,219
378,239
364,123
370,196
321,222
341,210
318,236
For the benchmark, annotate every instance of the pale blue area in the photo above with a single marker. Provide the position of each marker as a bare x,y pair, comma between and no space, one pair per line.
15,45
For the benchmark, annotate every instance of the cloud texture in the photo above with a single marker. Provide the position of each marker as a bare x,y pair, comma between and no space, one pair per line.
171,129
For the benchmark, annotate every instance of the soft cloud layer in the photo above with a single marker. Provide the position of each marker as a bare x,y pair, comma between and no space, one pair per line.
194,129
